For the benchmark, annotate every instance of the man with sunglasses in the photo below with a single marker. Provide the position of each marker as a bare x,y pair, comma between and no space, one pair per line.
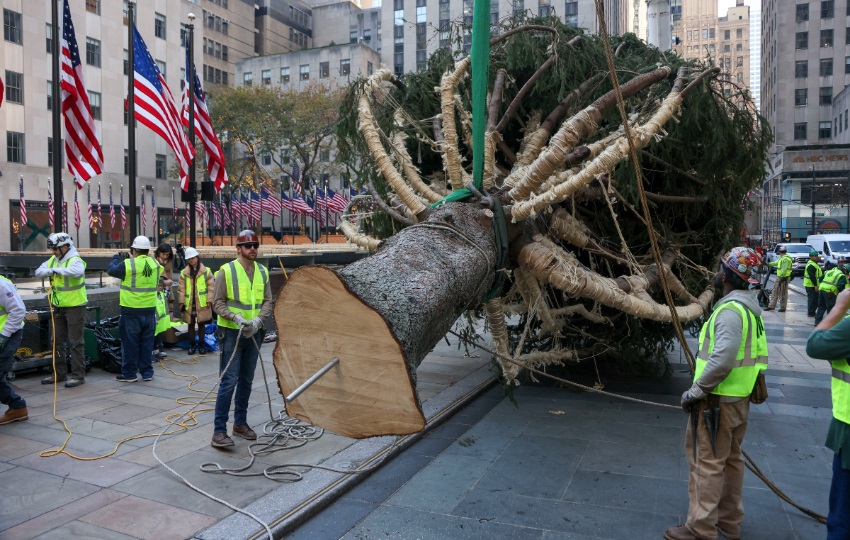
67,274
242,299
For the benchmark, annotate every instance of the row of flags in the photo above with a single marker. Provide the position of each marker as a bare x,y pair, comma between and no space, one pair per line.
154,108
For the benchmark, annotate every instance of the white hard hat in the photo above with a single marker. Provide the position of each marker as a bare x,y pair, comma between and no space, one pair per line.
190,253
141,243
59,239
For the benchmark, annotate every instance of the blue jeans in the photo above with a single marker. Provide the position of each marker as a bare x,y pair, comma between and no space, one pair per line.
136,344
239,377
838,521
7,395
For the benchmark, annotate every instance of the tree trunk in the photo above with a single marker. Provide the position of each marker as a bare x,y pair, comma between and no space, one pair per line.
390,309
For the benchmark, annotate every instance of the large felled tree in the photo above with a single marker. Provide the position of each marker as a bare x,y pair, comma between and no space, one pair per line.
580,273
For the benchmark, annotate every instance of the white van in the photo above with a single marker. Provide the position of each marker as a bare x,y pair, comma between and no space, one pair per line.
831,246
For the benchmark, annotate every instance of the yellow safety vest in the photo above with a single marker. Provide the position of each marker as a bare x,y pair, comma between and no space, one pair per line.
829,283
751,357
243,296
140,283
807,282
783,265
200,283
3,313
67,291
841,390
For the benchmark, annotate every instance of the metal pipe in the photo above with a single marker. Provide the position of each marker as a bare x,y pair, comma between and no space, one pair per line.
193,187
56,88
309,382
131,120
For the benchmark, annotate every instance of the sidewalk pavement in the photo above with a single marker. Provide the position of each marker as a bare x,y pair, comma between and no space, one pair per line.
560,464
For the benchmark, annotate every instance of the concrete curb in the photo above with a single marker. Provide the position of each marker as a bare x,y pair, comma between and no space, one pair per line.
289,506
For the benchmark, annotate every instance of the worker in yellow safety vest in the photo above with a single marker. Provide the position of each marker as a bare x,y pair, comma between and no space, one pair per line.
834,281
12,313
812,276
783,277
139,275
67,273
732,353
242,299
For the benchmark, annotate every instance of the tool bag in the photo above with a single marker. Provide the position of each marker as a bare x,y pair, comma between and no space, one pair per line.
759,393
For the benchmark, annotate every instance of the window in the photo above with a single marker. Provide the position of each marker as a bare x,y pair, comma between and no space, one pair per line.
126,162
801,97
12,27
50,151
224,53
802,12
825,130
284,75
15,147
739,33
847,64
367,35
324,69
826,38
159,25
345,67
825,95
48,37
94,103
801,68
739,62
159,170
93,6
847,36
826,67
161,66
827,9
14,87
845,118
304,72
705,33
726,49
800,131
93,52
738,47
247,78
49,95
726,34
184,35
711,33
266,76
802,40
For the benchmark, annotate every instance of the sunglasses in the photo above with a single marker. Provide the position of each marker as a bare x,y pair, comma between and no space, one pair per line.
251,245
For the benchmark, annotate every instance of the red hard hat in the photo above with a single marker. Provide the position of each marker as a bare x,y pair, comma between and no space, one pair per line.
246,236
741,261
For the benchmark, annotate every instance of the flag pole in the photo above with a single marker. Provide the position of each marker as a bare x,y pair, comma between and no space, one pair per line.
327,232
174,216
291,211
57,109
131,119
190,51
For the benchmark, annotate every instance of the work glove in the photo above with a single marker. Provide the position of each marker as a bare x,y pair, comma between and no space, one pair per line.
42,272
257,324
248,330
3,341
691,396
241,321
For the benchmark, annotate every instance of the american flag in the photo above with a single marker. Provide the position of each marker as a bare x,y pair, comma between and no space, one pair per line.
296,205
216,214
296,179
236,207
271,204
315,211
336,202
111,209
99,207
76,212
203,125
23,202
246,208
153,212
256,209
321,202
2,90
155,107
352,193
202,213
50,208
123,211
224,212
143,213
187,218
82,147
91,212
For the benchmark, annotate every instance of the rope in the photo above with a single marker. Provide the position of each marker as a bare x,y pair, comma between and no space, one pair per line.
751,465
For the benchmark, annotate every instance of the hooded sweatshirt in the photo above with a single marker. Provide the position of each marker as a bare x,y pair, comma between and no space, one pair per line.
75,270
728,333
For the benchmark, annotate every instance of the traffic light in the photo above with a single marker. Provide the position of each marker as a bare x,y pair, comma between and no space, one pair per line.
788,236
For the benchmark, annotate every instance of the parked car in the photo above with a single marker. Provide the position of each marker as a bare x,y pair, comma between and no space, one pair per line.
831,247
798,252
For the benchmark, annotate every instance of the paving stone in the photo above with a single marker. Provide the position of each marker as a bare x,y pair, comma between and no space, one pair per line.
634,459
398,522
622,491
12,447
799,460
81,529
102,472
26,493
46,524
389,478
129,516
441,485
335,521
764,431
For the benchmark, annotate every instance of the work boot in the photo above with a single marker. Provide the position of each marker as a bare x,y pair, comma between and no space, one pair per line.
202,348
680,533
221,440
72,382
193,348
14,415
49,380
768,308
781,310
244,431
